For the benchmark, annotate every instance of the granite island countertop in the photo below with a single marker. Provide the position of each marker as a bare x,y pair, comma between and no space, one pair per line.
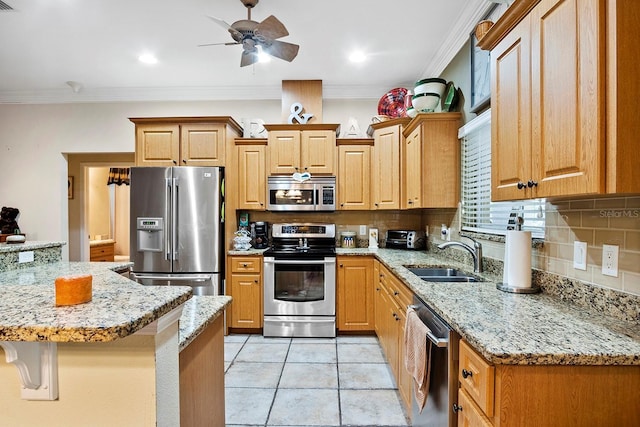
523,329
119,306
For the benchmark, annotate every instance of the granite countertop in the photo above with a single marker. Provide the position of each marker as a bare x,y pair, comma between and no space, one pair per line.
28,246
523,329
119,306
198,313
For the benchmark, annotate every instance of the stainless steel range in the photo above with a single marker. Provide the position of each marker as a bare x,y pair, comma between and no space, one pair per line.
300,281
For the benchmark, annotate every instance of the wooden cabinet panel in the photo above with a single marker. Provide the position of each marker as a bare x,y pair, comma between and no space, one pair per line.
385,168
355,294
102,253
202,145
157,144
469,415
477,378
246,264
245,286
284,152
412,174
568,137
353,177
246,307
318,152
251,177
511,120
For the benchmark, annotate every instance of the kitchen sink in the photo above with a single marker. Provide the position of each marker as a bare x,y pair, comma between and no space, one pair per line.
438,274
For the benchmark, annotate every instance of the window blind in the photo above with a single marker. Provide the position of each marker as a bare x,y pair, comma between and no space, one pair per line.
478,213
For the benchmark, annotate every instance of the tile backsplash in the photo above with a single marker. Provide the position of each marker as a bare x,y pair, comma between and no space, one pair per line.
596,221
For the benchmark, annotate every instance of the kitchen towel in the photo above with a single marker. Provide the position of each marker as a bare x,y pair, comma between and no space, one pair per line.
517,259
416,355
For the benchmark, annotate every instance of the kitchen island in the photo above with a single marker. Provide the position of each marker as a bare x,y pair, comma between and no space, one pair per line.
117,360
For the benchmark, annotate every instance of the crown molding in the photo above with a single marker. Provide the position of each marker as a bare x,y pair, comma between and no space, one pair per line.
458,37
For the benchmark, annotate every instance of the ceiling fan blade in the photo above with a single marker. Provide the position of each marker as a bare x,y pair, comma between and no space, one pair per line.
282,50
218,44
271,28
248,58
234,33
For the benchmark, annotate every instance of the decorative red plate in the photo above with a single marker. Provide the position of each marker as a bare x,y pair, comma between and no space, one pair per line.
392,103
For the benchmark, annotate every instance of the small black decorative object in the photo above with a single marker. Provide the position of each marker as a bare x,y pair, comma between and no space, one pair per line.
8,220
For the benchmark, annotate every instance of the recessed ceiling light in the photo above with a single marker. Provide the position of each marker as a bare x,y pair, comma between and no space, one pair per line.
148,58
357,56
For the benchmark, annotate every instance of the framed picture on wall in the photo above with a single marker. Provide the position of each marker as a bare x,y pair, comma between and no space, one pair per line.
480,76
70,187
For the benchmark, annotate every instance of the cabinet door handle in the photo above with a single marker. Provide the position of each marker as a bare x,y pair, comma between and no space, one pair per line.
396,293
255,280
245,265
531,183
175,163
456,408
341,265
466,374
521,185
184,161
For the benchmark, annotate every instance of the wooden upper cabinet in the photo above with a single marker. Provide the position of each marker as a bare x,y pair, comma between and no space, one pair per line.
202,144
302,148
431,160
561,88
157,144
251,173
385,164
183,141
510,117
354,170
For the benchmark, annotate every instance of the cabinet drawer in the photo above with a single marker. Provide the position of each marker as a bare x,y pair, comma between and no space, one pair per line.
469,413
477,377
246,264
103,253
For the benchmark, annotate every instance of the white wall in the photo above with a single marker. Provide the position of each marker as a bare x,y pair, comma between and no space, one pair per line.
35,138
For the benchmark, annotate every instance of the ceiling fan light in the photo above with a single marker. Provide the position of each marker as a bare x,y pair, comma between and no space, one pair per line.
262,56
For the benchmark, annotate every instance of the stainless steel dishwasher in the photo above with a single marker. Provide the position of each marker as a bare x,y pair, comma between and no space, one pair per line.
443,381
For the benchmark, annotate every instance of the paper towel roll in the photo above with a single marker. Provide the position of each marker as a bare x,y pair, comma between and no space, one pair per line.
517,259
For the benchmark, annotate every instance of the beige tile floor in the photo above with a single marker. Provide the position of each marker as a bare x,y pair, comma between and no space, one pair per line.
299,382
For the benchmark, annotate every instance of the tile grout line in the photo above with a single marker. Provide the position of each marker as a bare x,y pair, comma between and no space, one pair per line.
275,393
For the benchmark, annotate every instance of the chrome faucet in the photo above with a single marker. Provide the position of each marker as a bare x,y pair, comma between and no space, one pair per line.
475,251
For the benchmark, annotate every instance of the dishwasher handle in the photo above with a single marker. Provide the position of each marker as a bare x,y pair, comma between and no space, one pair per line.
438,342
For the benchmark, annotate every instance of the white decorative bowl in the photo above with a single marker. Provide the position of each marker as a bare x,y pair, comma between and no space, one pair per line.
426,102
430,86
411,112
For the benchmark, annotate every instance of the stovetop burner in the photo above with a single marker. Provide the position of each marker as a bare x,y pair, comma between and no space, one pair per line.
295,241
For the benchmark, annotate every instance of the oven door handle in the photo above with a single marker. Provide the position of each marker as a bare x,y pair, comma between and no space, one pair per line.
298,262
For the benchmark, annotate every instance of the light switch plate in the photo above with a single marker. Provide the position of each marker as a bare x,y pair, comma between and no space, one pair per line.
363,230
580,255
610,260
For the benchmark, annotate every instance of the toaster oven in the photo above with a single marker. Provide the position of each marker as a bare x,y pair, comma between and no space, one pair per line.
404,239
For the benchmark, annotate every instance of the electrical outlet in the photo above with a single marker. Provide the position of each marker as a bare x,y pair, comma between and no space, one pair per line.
610,260
363,230
26,256
580,255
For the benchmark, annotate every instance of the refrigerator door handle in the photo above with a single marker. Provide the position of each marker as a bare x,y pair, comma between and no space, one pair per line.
167,204
174,220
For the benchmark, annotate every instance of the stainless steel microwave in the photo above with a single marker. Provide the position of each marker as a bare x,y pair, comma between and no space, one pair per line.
315,194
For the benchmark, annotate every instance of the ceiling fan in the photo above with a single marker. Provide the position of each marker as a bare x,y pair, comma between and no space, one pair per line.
251,34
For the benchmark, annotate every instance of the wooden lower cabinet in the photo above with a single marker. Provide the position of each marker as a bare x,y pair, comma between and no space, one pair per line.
545,395
245,287
355,295
202,378
102,252
391,300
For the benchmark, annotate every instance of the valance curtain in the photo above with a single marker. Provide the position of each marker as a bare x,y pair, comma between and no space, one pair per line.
118,176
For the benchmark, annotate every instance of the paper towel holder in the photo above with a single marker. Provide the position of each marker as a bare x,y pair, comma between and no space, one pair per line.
504,287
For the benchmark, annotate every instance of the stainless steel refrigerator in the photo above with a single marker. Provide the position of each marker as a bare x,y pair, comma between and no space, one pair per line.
177,231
